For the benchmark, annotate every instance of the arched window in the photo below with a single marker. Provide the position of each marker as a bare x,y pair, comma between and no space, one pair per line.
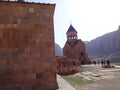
81,53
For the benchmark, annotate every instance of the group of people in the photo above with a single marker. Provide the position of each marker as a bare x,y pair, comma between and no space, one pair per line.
104,63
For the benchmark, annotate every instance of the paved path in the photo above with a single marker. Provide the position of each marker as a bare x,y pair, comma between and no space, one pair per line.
63,85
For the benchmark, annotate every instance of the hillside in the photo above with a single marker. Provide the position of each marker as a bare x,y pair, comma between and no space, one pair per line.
108,44
58,50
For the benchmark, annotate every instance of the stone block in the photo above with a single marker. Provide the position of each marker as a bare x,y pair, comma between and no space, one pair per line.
27,54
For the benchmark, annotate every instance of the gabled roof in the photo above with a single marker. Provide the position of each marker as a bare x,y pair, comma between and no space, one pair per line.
71,29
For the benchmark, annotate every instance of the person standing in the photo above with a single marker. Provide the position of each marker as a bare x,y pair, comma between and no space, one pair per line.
108,63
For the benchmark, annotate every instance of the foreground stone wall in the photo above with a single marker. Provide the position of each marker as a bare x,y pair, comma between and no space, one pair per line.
27,55
67,66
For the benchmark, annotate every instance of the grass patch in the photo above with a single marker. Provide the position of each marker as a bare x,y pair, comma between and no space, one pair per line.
77,81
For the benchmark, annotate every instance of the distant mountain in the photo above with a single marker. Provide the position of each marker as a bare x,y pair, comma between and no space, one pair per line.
86,42
58,50
108,44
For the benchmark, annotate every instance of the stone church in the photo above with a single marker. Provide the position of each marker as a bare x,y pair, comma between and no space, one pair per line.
75,48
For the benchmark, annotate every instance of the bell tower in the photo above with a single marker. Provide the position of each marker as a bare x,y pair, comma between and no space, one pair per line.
71,35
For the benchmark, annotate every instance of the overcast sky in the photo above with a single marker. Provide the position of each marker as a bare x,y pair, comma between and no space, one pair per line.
91,18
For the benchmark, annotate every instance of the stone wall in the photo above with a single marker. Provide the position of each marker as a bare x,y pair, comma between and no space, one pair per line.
76,51
66,66
27,55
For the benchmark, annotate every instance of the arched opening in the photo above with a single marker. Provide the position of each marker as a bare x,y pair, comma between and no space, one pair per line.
82,62
81,58
81,53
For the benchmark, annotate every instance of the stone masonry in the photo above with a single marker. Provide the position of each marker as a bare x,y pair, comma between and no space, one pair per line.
67,66
27,55
75,48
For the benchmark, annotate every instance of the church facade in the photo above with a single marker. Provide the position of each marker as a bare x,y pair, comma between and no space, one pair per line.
75,48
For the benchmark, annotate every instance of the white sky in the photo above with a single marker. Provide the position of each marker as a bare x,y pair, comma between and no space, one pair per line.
91,18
